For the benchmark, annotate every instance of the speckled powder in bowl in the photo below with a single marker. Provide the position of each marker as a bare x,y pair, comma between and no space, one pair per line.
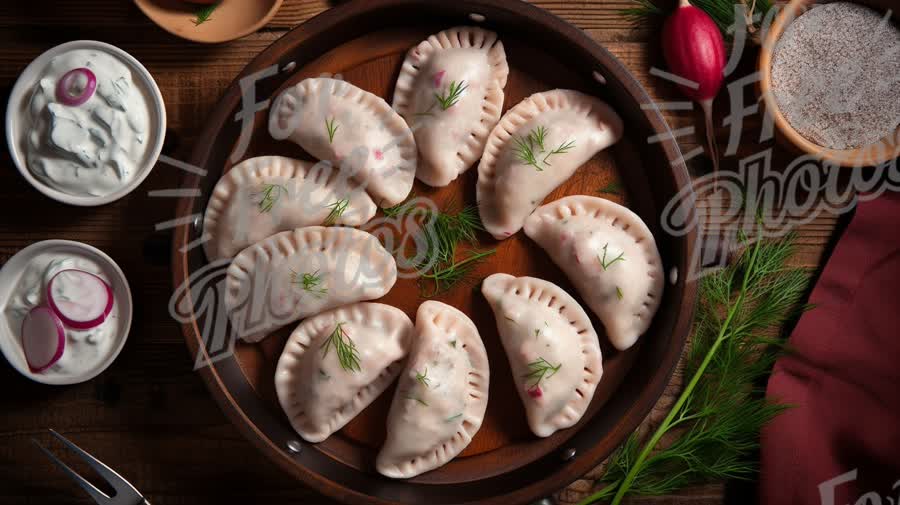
836,75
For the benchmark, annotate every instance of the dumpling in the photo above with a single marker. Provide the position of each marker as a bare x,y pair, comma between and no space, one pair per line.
450,90
537,146
298,273
336,363
552,348
336,121
609,255
262,196
441,396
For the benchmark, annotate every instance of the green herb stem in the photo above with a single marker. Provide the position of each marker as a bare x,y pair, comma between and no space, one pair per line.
452,96
204,14
348,355
332,127
667,423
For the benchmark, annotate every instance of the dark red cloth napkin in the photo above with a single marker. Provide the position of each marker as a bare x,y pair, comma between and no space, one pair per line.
844,380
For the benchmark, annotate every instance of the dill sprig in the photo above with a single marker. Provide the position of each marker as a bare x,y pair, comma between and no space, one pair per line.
309,282
528,148
416,399
536,137
332,127
446,277
721,11
269,195
426,112
539,370
613,187
337,210
204,14
606,263
347,354
642,12
619,294
452,96
525,152
444,232
719,414
423,378
453,418
562,149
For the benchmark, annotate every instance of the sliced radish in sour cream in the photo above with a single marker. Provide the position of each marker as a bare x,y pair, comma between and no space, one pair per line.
80,299
43,338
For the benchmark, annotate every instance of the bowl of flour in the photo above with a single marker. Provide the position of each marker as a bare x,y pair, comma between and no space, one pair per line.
830,79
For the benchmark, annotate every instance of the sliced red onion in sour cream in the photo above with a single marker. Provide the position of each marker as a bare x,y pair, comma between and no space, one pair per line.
81,299
43,338
76,86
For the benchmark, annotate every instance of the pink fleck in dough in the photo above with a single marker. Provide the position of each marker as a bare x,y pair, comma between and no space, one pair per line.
438,77
379,155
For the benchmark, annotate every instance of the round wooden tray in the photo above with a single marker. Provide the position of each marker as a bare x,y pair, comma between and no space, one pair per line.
365,42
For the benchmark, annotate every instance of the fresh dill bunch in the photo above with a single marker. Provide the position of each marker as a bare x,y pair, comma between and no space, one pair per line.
443,234
444,277
204,14
347,354
337,210
721,11
401,209
717,419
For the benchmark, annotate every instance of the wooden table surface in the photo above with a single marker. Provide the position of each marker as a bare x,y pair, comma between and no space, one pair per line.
149,416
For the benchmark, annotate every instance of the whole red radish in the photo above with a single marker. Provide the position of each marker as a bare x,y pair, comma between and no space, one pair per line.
695,50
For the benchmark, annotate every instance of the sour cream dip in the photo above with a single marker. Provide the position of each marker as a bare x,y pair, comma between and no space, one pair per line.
25,280
85,123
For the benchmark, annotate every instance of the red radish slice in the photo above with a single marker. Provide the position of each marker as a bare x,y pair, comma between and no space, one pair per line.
80,299
43,339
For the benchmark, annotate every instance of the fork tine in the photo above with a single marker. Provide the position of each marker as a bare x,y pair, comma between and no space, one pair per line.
123,488
95,493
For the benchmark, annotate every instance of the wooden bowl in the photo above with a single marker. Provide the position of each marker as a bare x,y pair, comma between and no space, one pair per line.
231,19
505,463
876,153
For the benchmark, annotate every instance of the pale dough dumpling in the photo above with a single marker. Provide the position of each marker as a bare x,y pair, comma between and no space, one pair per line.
336,363
441,396
536,146
450,90
262,196
336,121
610,256
295,274
552,348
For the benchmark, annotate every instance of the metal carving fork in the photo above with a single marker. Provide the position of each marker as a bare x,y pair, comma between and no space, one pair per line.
125,493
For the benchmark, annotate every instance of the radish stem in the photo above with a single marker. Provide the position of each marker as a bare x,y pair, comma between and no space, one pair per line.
711,146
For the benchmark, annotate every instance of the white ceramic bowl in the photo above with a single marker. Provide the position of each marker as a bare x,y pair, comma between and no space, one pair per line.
10,343
21,96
